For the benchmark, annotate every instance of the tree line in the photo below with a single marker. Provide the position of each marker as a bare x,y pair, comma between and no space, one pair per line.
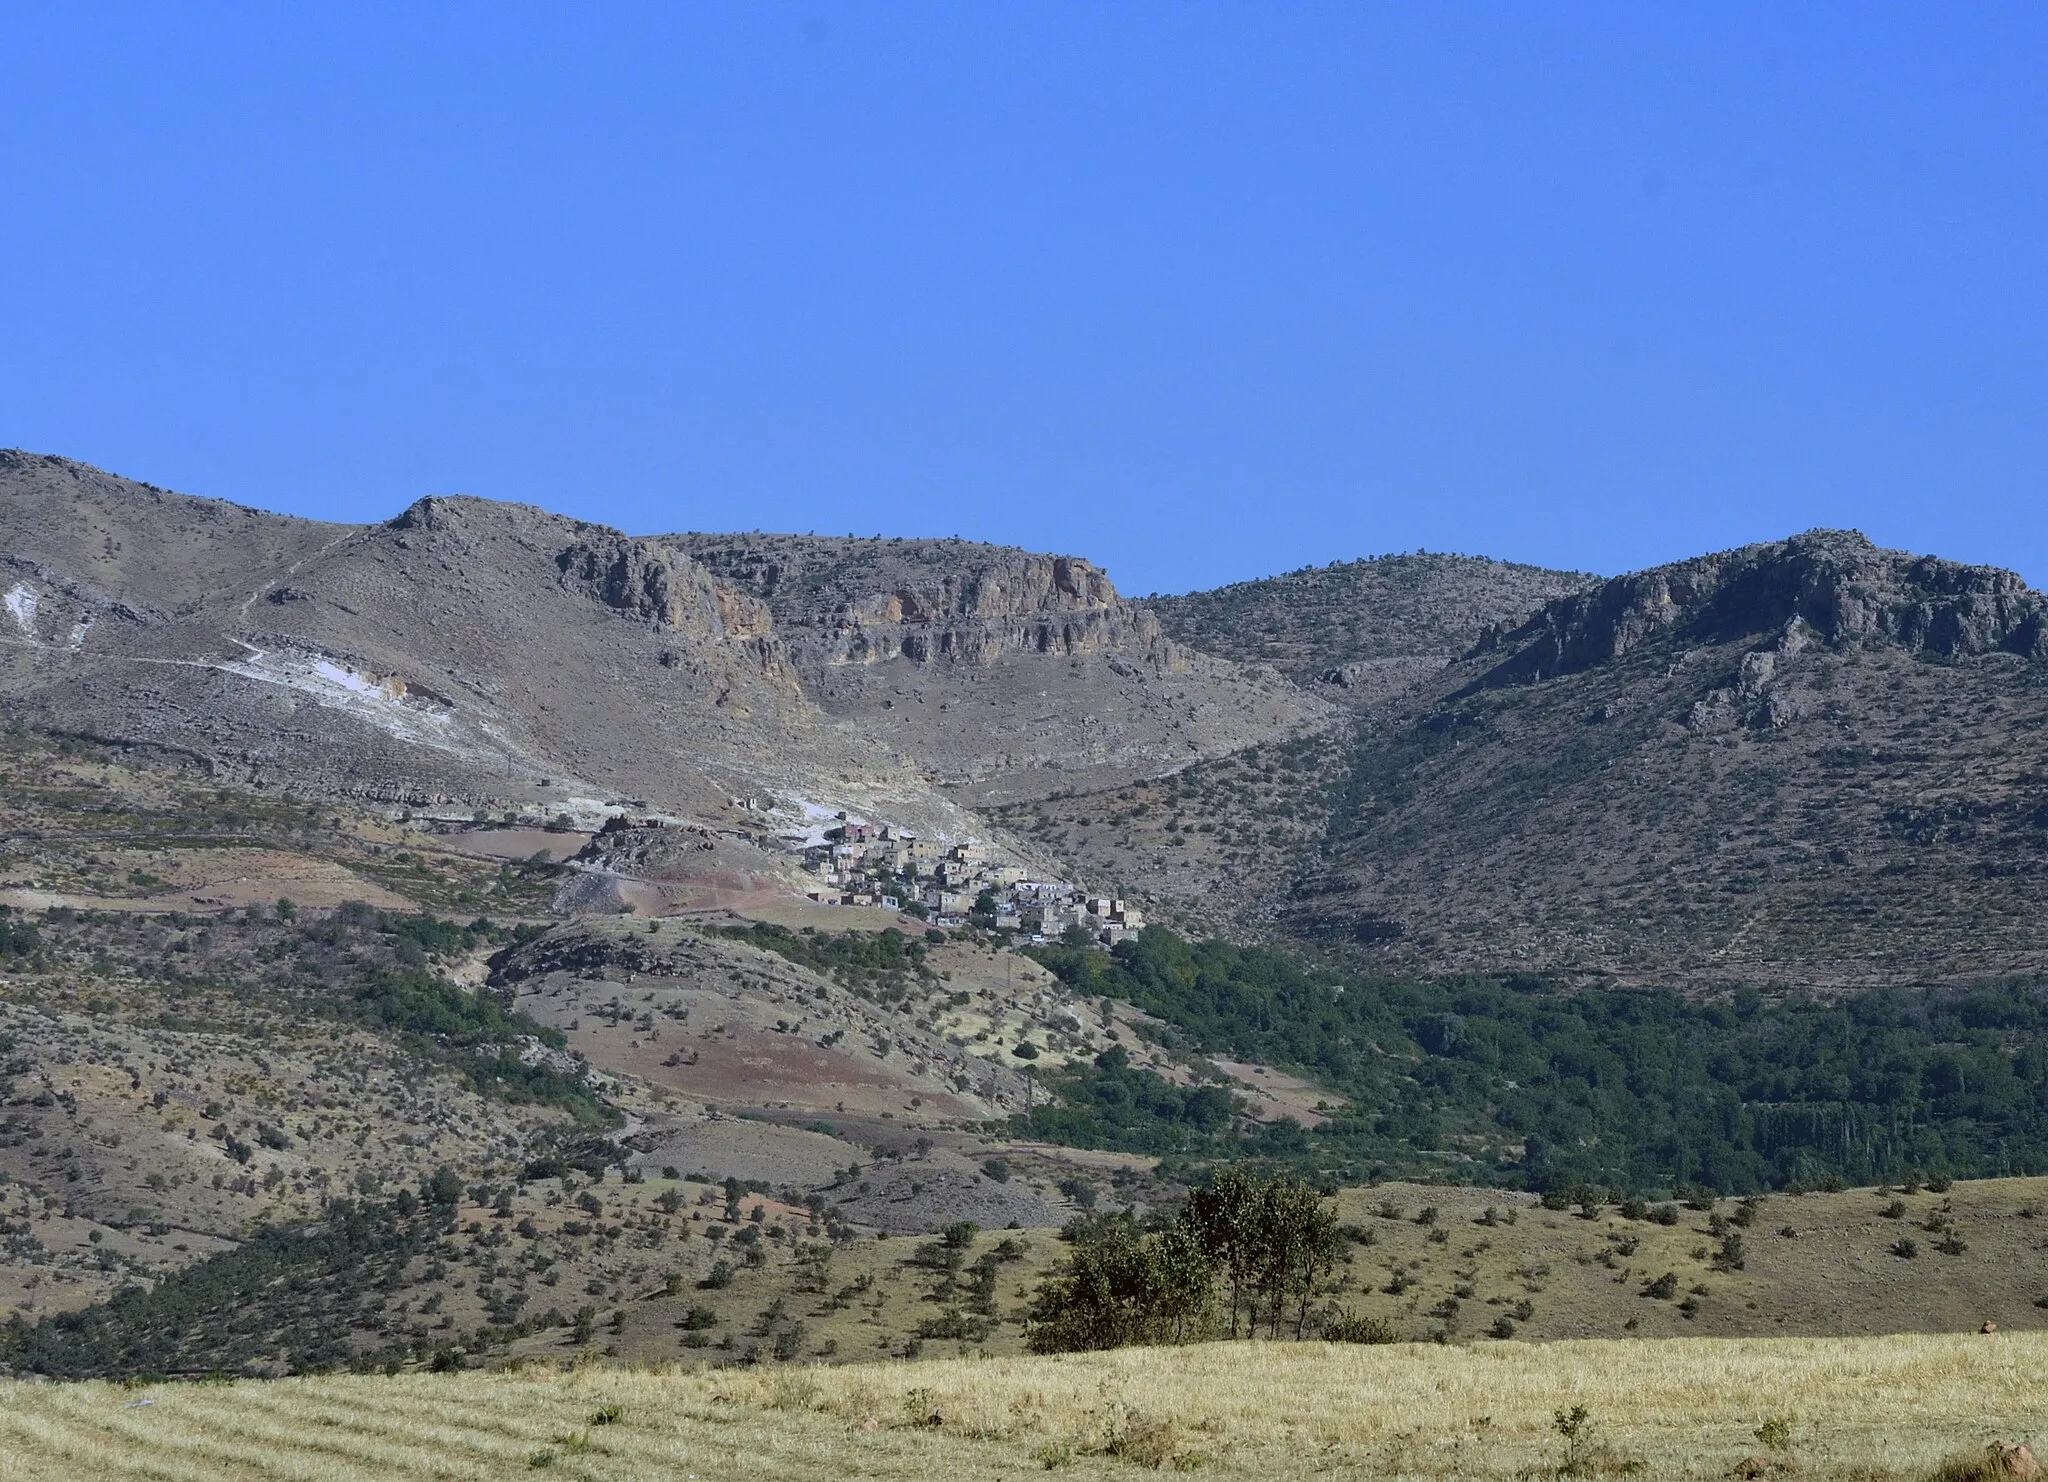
1515,1081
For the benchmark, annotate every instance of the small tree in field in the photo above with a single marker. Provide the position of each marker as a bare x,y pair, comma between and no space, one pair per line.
1121,1286
1270,1241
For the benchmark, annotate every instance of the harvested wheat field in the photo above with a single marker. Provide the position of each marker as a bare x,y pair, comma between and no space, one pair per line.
1868,1408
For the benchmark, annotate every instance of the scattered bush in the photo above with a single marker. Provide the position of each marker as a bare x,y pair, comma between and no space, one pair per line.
1775,1432
2001,1461
1349,1327
1584,1456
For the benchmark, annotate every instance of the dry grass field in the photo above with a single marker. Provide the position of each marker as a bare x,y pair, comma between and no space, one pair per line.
1864,1408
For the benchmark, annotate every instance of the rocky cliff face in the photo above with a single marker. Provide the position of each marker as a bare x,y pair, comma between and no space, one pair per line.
1014,674
999,584
464,654
647,580
1054,605
1827,584
475,654
867,602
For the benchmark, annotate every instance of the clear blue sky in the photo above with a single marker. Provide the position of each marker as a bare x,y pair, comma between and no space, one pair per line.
1203,291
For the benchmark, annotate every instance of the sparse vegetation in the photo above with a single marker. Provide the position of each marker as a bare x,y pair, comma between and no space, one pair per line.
1685,1407
883,964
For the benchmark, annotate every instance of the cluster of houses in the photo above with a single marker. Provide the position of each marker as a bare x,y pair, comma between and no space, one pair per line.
860,864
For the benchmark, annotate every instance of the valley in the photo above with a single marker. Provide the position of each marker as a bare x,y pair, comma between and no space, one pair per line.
486,938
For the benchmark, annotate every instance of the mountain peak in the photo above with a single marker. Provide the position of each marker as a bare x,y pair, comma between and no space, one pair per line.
1839,583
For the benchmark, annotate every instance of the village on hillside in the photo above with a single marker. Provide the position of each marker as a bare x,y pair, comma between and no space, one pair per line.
953,885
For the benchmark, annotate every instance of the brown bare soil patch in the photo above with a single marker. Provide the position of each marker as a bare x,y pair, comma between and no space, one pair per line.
514,843
742,1064
1272,1094
216,879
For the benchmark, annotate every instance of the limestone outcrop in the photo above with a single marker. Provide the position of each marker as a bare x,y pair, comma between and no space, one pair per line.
1014,674
1836,583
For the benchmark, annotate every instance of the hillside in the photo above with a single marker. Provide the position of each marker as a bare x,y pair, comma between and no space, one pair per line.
470,655
1010,675
222,1011
1811,762
452,933
186,1062
416,662
1220,844
1362,631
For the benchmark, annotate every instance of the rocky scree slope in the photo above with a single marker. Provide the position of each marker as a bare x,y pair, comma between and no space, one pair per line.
1811,762
1011,675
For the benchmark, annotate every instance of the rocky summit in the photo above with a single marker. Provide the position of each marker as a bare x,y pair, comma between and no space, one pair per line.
1812,761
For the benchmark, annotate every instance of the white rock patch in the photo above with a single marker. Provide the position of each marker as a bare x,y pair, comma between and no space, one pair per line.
21,602
380,702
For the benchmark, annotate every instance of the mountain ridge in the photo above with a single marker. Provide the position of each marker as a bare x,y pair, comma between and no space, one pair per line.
1480,765
474,656
483,850
1835,583
1811,758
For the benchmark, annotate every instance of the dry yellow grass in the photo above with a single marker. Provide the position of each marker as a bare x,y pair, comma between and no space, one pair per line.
1863,1408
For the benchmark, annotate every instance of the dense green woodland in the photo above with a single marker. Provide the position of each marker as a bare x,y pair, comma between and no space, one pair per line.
1510,1080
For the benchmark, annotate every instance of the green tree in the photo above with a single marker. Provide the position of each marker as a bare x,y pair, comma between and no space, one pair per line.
1270,1240
1225,1220
1121,1286
1299,1245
